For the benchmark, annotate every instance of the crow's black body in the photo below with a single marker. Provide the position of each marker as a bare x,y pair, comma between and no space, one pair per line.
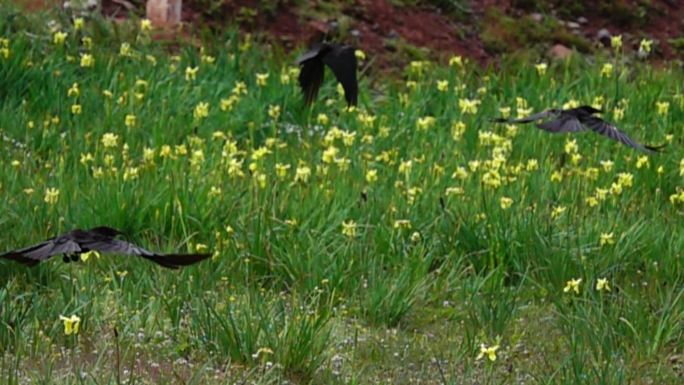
72,244
342,61
579,119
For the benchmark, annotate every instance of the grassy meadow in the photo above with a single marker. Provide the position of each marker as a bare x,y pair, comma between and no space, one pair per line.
406,241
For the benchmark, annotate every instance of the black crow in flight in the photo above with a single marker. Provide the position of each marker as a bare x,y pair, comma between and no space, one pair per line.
579,119
342,61
76,242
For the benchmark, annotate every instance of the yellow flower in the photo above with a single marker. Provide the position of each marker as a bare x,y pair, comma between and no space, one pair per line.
592,201
197,158
572,285
109,140
402,224
489,352
73,90
281,170
607,70
322,119
556,176
602,284
468,106
572,103
371,176
59,37
662,108
145,25
405,166
191,73
505,112
425,123
329,154
460,173
228,104
51,195
642,161
274,112
239,88
625,179
78,23
349,228
442,85
606,239
454,191
71,324
457,130
571,146
130,120
201,110
492,179
616,188
456,61
130,173
607,165
541,68
360,55
505,202
645,47
261,79
598,102
76,109
125,49
616,42
557,211
302,174
87,42
87,60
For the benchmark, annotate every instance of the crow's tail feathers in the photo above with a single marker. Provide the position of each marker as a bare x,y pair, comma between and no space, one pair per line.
659,148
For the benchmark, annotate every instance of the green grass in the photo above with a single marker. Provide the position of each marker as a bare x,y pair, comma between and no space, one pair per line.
337,276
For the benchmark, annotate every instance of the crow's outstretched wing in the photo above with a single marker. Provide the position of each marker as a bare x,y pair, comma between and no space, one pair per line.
528,119
342,61
32,255
311,78
314,51
116,246
600,126
564,123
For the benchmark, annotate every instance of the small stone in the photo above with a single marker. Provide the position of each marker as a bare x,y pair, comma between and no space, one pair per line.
537,17
582,20
572,25
603,36
355,33
559,51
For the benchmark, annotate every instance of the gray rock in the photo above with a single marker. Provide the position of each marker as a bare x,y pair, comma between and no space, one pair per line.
582,20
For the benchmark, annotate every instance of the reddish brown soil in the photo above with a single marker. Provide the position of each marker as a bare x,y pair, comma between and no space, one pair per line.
378,22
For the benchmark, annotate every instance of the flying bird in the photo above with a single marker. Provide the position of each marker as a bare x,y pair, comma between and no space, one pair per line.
342,61
579,119
103,239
